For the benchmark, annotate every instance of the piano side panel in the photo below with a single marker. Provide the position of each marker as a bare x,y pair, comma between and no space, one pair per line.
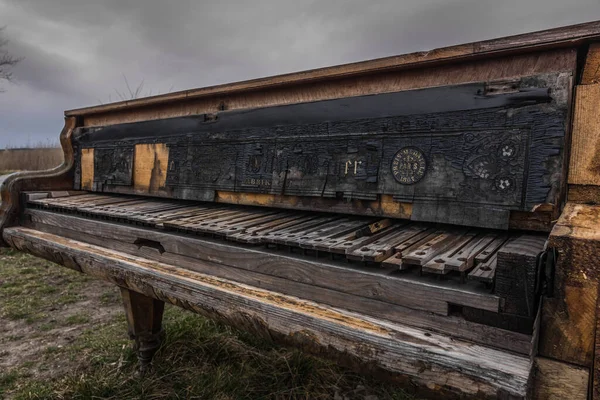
59,178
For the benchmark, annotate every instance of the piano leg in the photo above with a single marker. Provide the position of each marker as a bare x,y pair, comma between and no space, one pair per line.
144,317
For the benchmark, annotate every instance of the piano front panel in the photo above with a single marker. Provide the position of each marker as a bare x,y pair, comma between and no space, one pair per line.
465,154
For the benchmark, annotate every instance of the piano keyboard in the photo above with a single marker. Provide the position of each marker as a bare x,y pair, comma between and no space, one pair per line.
396,244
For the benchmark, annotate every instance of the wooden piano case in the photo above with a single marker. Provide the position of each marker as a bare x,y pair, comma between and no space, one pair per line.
430,216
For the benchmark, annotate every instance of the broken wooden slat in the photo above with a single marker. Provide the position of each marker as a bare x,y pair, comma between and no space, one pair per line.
437,265
192,221
410,245
256,233
491,249
282,236
374,227
161,216
464,259
383,247
343,244
443,240
242,225
226,222
486,271
344,227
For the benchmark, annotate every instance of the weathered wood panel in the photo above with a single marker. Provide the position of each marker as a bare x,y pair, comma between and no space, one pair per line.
87,169
150,168
429,359
557,380
452,325
463,167
591,68
584,168
569,316
367,282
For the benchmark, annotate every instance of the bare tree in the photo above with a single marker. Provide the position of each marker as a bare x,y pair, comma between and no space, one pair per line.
131,93
7,61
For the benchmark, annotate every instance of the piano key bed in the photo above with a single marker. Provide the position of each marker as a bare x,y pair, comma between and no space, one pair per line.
478,284
392,244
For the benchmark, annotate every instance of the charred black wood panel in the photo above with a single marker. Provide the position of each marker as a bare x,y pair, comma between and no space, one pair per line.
457,153
113,166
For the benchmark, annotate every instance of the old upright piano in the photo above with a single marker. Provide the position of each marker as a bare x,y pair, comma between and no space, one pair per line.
433,216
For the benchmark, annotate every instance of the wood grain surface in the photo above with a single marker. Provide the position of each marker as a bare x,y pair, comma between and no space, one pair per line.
428,359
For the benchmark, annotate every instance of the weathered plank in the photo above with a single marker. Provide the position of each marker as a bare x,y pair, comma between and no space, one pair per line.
464,259
87,169
288,235
569,316
150,168
346,245
258,232
443,240
486,271
558,380
427,358
584,166
453,325
362,281
591,68
384,245
442,253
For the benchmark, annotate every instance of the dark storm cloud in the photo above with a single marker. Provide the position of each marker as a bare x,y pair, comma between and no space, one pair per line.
77,51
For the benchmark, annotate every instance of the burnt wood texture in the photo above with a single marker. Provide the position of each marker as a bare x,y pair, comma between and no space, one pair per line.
465,154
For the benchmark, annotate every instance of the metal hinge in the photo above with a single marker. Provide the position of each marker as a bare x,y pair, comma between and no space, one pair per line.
546,263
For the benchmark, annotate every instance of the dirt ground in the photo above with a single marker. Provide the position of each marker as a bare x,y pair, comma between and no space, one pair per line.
63,335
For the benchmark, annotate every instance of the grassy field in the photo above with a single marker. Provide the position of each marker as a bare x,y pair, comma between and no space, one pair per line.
33,159
63,336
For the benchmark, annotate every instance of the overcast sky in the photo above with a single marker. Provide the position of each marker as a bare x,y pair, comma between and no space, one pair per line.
76,52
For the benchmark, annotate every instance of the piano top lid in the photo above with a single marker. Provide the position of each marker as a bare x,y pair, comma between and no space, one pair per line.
569,36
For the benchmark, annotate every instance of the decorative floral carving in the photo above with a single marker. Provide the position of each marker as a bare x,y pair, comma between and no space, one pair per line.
497,160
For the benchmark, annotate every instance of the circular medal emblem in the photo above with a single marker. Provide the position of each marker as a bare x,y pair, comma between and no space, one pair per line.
409,165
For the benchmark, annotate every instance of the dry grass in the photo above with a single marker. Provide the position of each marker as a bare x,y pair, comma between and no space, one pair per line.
34,159
63,335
